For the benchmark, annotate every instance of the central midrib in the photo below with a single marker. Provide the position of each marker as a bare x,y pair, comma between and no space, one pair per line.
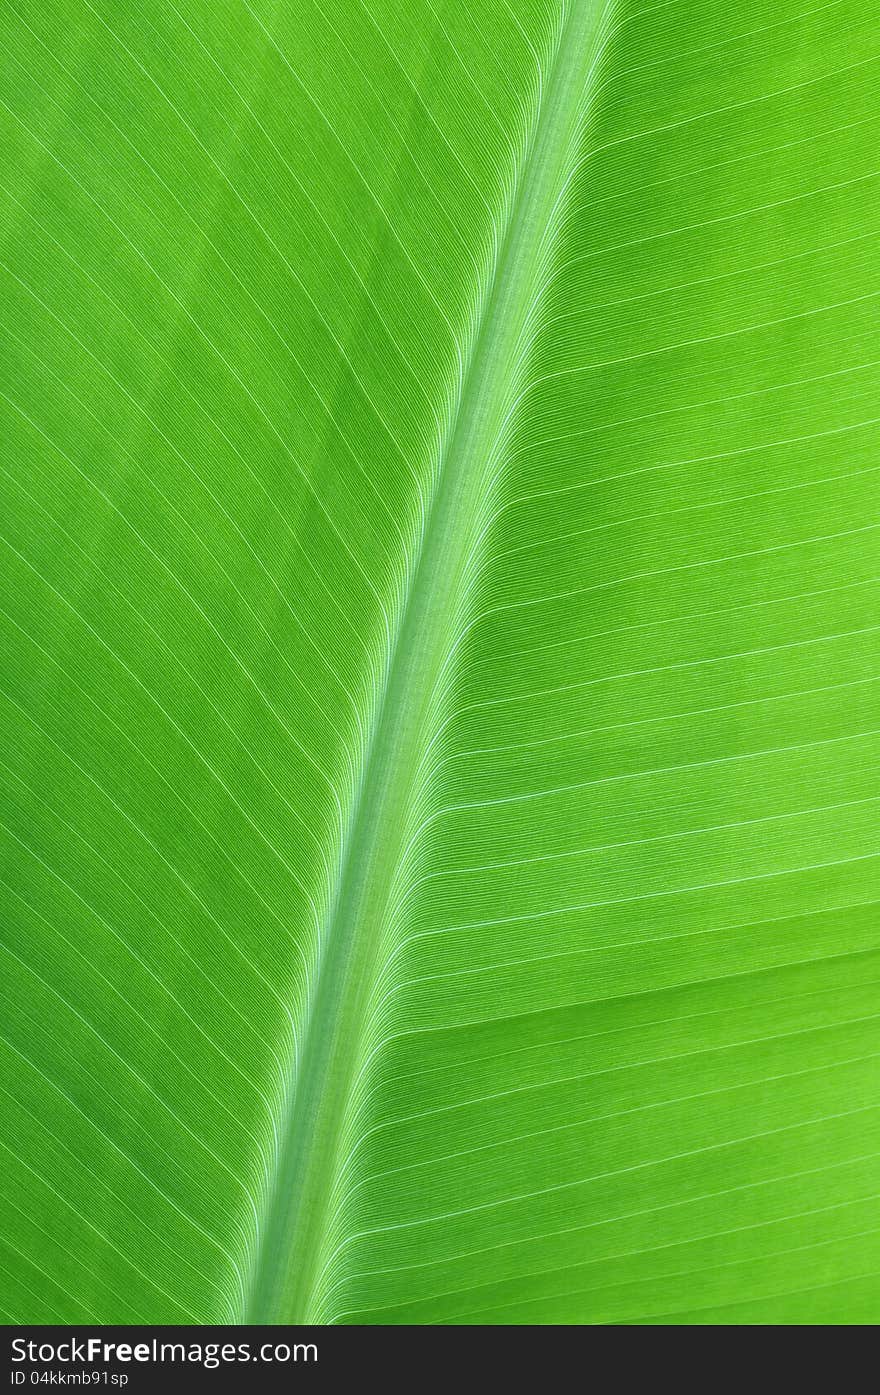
295,1227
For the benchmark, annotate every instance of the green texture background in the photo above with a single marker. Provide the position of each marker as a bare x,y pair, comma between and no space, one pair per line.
438,592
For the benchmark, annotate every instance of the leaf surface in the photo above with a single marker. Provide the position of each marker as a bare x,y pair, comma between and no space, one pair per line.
439,539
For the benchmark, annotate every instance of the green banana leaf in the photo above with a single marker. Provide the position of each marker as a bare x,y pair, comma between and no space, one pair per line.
439,537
